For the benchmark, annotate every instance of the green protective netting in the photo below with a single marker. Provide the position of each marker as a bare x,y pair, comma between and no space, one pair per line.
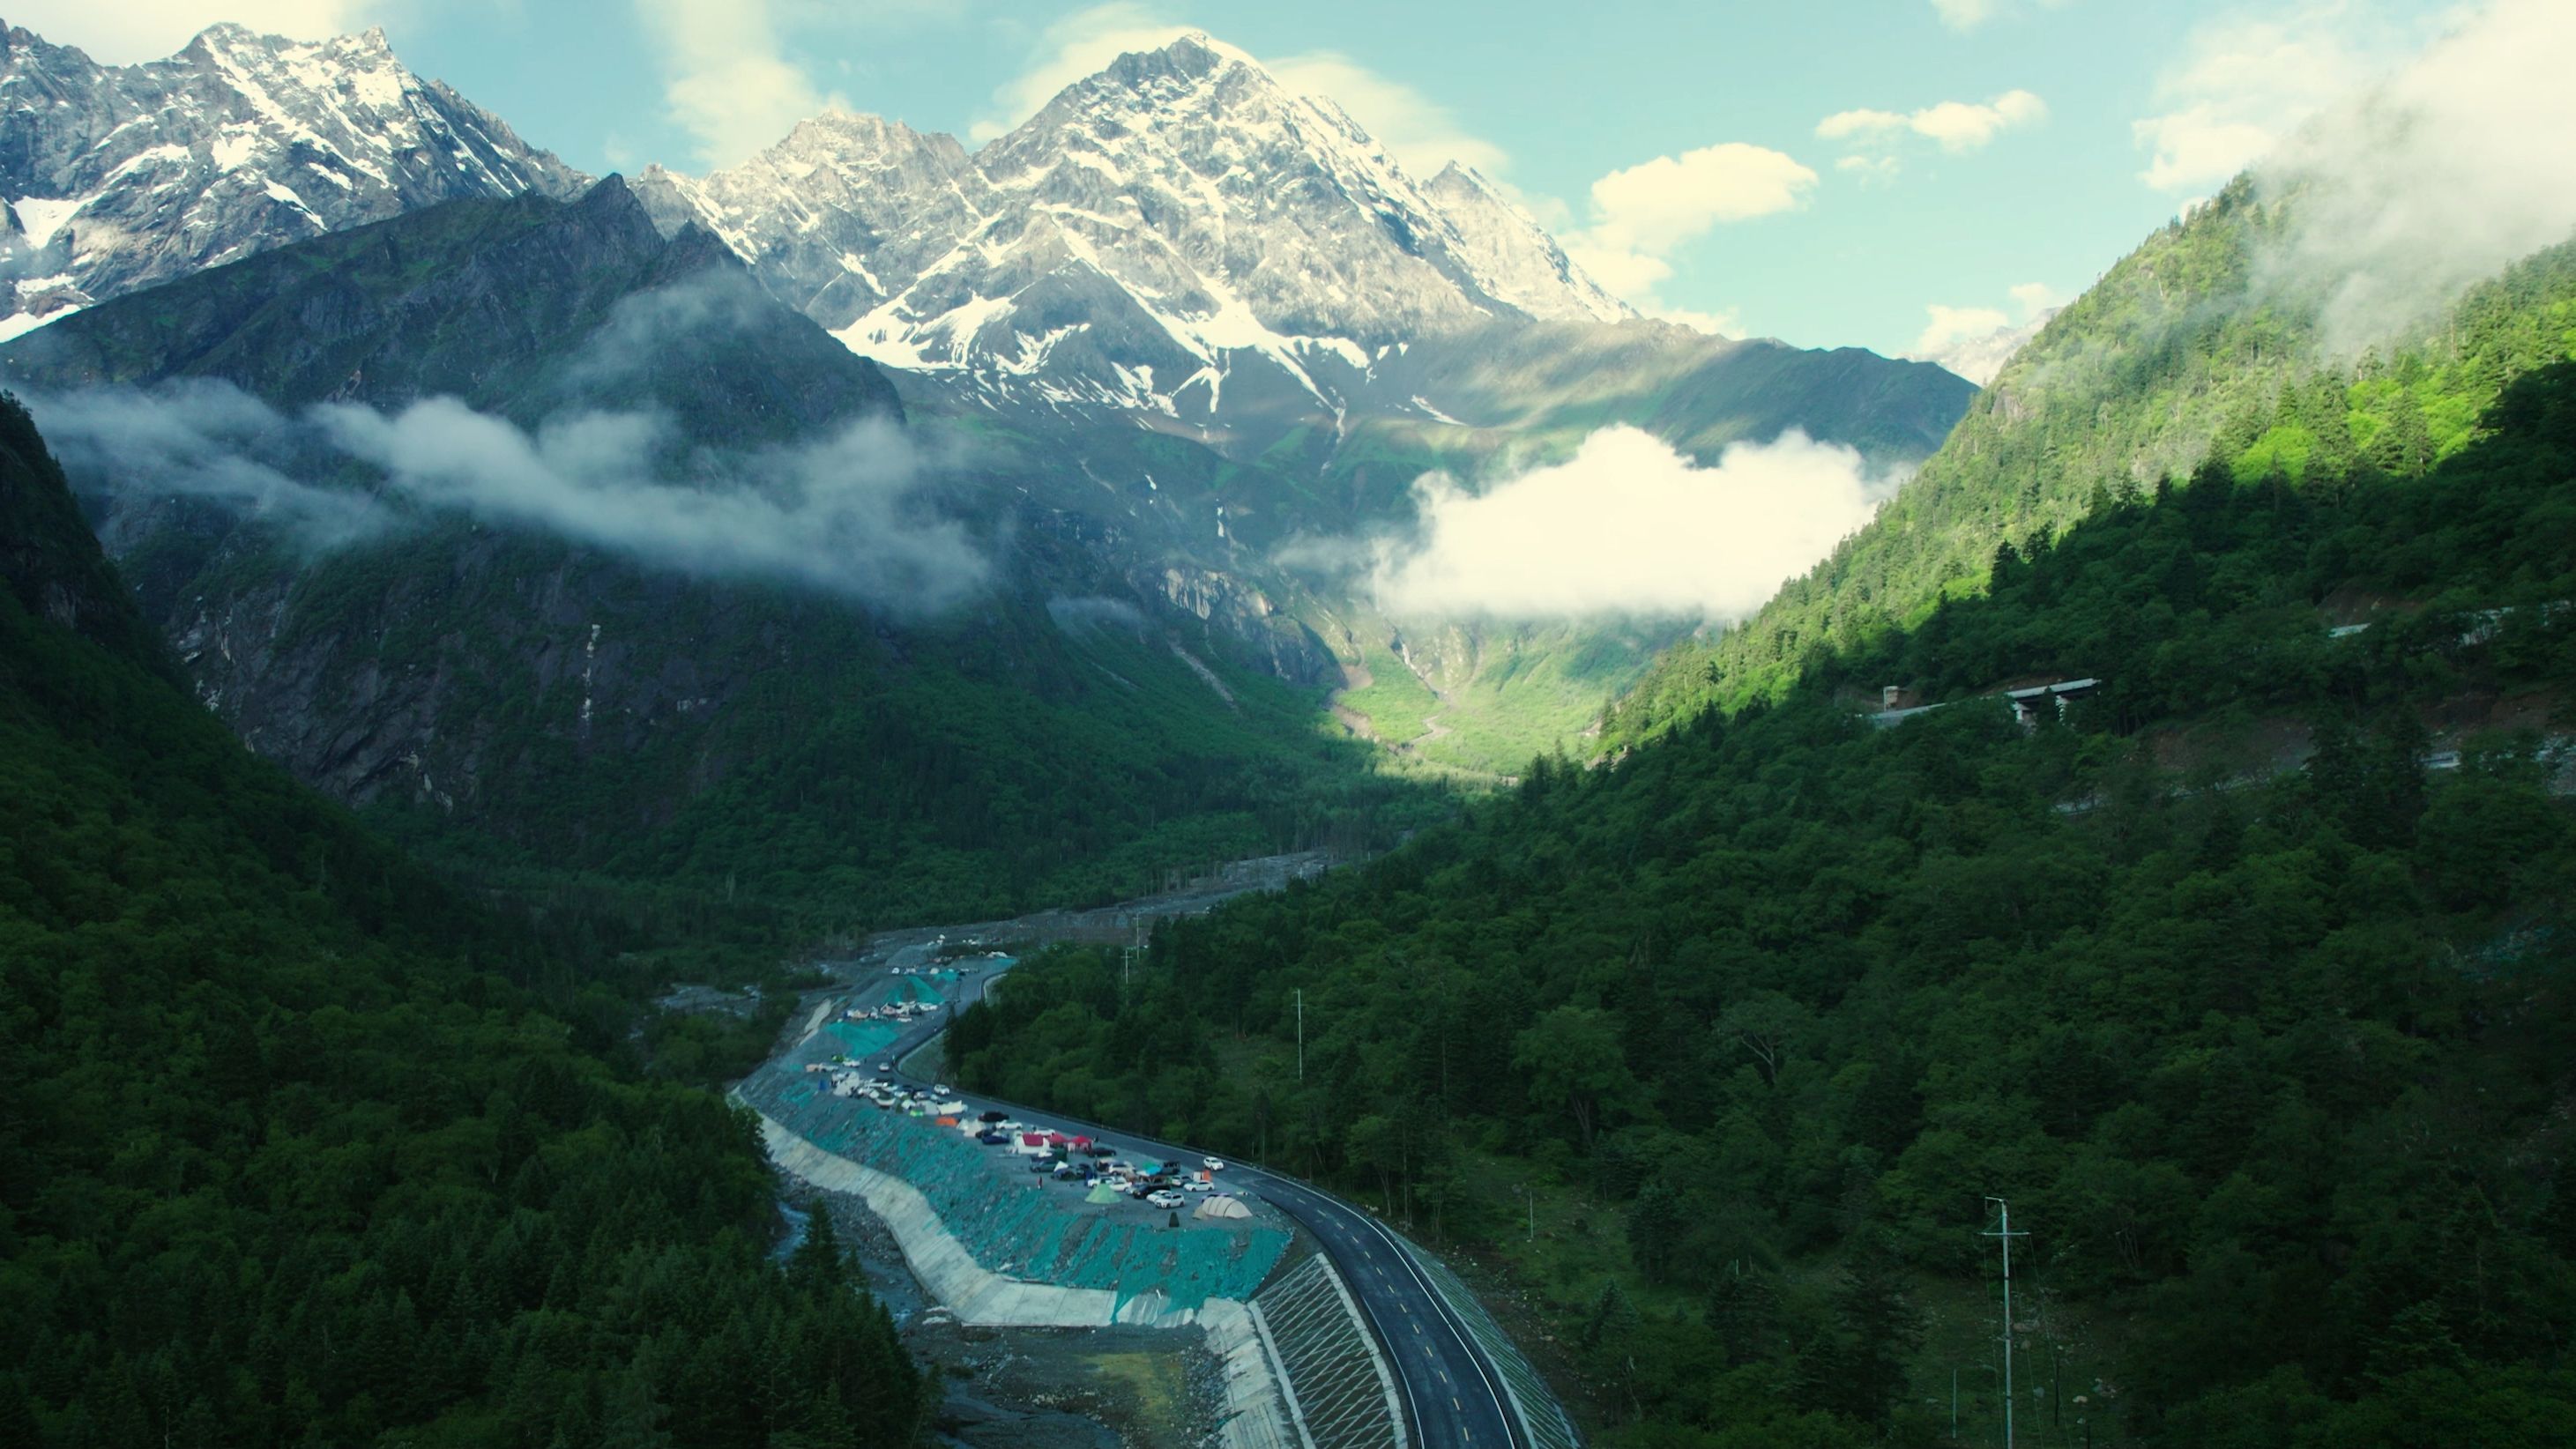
858,1039
1031,1231
886,990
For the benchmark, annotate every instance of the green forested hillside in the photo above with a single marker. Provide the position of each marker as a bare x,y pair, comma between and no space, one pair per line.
2255,1011
986,763
2192,343
296,1146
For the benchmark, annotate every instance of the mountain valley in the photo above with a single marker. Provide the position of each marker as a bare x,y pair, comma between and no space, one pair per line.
1658,889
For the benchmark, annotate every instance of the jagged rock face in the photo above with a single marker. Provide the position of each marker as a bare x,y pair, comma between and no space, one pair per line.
523,306
121,177
1178,225
859,187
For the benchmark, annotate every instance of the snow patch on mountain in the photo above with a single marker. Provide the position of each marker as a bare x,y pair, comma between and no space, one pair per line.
120,177
1174,229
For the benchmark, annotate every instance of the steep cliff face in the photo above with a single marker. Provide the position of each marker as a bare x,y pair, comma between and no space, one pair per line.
50,559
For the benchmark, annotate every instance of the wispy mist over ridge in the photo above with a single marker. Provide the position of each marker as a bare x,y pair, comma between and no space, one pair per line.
2460,163
846,513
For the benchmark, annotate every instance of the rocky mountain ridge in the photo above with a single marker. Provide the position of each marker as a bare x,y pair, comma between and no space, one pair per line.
1178,228
120,177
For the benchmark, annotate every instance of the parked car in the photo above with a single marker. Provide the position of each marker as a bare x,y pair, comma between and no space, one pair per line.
1194,1185
993,1116
885,1069
1042,1164
991,1139
1212,1164
1164,1199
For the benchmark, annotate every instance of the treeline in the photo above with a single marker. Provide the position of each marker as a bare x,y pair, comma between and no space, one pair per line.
297,1145
2261,1024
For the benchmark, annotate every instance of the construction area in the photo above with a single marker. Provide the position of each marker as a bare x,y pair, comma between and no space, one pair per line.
1019,1267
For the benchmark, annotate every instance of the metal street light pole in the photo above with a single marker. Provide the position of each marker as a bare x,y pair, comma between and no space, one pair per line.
2003,1230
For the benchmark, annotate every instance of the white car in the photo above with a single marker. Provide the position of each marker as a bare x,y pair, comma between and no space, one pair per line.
1212,1164
885,1069
1198,1185
1164,1199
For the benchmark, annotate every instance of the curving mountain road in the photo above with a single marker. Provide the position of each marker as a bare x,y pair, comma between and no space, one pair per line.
1450,1392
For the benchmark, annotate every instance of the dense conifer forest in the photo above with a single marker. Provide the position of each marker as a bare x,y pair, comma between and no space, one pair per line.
300,1146
2255,1006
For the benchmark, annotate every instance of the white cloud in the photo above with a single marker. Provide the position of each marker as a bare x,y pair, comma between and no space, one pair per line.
1659,204
130,30
1955,126
2457,165
841,513
1951,326
828,514
728,80
1420,133
1965,15
1628,526
1079,45
206,440
1642,213
1963,126
2034,298
1976,342
2245,82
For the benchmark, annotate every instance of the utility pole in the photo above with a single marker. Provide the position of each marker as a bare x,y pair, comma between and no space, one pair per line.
1301,1033
2003,1230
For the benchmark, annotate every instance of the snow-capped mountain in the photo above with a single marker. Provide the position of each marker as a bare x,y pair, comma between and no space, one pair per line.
119,177
1176,235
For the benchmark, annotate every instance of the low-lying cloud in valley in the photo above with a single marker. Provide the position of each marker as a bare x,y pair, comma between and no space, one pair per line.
1628,526
845,513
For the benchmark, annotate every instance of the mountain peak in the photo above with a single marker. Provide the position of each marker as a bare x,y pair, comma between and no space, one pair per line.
240,142
1190,59
1177,234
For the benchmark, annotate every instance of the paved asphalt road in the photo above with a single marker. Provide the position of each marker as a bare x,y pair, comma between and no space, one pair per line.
1452,1396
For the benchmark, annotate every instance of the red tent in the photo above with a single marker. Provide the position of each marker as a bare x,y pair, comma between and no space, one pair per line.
1033,1139
1058,1139
1080,1141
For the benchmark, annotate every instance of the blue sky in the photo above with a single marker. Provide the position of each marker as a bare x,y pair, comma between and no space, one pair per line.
1824,172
